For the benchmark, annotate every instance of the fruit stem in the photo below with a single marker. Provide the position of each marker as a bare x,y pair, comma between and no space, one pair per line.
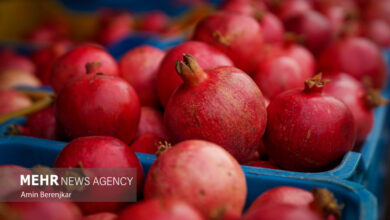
293,38
190,71
162,147
374,99
315,84
325,203
92,67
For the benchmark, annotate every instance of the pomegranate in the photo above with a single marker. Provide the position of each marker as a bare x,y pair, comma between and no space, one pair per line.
261,163
360,101
43,124
247,7
99,152
146,143
151,122
161,208
284,194
82,60
222,105
377,10
277,74
313,28
237,35
282,211
139,67
290,203
154,21
40,210
308,130
272,28
9,59
167,78
302,56
11,101
97,104
45,58
358,57
12,78
378,31
202,174
114,25
49,31
10,176
285,9
101,216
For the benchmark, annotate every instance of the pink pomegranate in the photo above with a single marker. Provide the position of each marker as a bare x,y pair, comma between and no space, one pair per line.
302,56
101,216
358,57
11,78
42,210
154,21
237,35
378,31
272,28
313,28
11,101
161,208
114,25
99,152
151,122
10,174
282,211
139,67
360,101
308,130
82,60
147,143
202,174
43,124
167,78
222,105
45,58
97,104
285,9
9,59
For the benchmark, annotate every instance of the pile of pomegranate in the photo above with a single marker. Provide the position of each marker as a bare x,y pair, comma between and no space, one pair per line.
287,84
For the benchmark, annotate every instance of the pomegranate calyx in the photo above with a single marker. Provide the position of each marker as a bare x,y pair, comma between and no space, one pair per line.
92,67
325,203
220,38
374,99
316,83
292,38
189,70
162,147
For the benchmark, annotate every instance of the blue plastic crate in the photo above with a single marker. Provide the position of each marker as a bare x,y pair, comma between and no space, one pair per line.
359,203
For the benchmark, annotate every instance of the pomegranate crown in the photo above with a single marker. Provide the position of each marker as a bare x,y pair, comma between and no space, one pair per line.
189,70
316,83
374,99
325,203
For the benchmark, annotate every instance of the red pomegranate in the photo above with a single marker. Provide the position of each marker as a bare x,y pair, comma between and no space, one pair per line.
154,21
308,130
246,7
114,25
285,9
11,101
238,36
101,216
261,163
82,60
282,212
222,105
302,56
97,104
151,122
139,67
358,57
167,78
42,210
161,208
99,152
378,31
9,59
202,174
43,124
147,143
11,78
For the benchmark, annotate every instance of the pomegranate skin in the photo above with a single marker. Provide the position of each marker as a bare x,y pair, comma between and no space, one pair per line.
288,8
272,28
154,21
151,122
82,60
167,78
86,107
101,216
44,210
146,143
43,124
308,131
313,27
282,212
279,74
45,58
139,67
353,94
162,209
261,163
237,35
246,7
11,78
284,194
114,26
11,101
202,174
226,108
358,57
9,59
303,57
99,152
378,31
